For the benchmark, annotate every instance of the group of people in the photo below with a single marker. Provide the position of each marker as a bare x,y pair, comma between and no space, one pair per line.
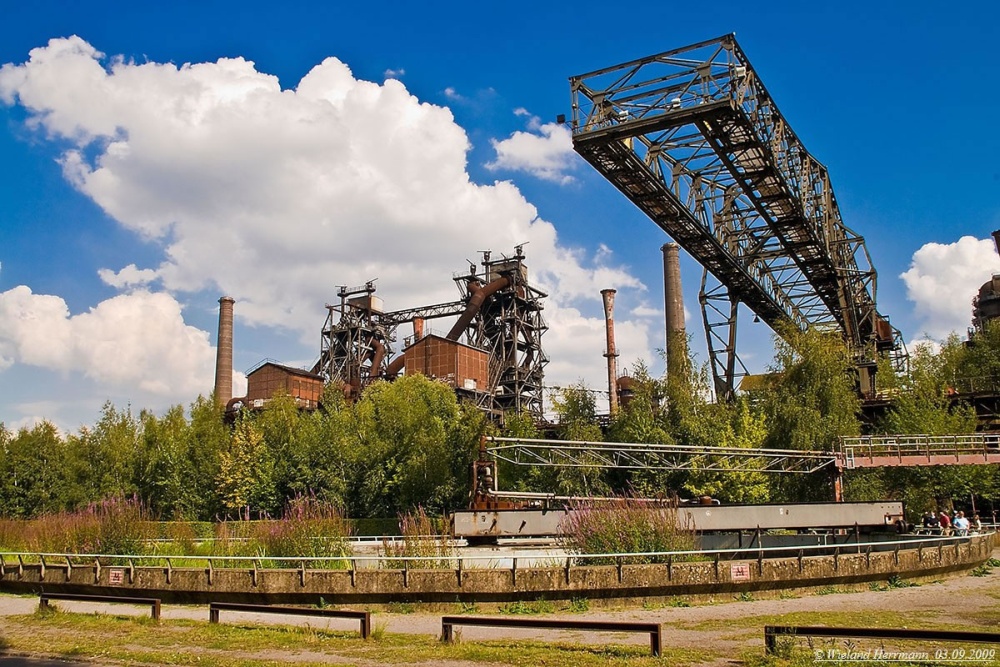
956,524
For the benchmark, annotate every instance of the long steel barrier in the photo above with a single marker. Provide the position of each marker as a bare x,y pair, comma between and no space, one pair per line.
655,632
365,617
773,632
154,603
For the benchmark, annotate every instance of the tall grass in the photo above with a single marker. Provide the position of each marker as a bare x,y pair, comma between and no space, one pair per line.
113,526
422,537
625,525
309,527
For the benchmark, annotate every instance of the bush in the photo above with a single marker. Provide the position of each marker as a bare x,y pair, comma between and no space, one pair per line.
625,525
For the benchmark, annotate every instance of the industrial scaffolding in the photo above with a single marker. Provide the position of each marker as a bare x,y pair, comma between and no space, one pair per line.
499,312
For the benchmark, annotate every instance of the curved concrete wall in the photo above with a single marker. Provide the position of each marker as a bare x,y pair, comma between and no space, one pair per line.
362,586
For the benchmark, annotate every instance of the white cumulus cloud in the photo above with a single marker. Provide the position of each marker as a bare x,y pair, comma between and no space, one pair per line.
276,196
545,151
942,280
132,340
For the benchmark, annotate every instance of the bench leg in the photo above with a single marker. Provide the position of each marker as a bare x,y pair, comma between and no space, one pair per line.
156,610
447,634
213,615
769,640
366,626
655,644
43,603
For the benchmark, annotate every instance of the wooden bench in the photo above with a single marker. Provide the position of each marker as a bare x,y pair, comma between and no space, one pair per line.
772,632
154,603
449,622
366,621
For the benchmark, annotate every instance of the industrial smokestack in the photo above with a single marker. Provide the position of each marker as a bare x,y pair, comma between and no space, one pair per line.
224,354
418,328
673,298
612,353
996,240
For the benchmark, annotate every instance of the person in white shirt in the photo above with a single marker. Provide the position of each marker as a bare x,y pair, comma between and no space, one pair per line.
961,524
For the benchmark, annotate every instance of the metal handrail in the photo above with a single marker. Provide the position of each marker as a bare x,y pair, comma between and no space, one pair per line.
912,543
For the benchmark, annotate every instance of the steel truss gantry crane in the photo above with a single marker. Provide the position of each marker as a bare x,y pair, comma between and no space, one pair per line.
693,139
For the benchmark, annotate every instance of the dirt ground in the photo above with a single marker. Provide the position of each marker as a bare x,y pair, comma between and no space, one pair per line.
722,624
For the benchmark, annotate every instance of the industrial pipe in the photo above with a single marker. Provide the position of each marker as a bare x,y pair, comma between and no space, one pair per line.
612,353
377,357
479,295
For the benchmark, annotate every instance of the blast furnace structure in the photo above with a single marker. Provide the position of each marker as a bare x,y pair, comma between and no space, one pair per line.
499,314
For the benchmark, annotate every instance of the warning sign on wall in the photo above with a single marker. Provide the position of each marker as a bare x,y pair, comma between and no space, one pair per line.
739,572
116,577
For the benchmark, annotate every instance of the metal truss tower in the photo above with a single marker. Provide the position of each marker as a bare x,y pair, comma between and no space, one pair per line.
693,139
509,325
358,336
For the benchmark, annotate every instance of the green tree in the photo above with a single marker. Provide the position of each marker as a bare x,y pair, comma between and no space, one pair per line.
33,472
208,438
810,400
734,425
108,454
246,472
414,446
164,469
576,410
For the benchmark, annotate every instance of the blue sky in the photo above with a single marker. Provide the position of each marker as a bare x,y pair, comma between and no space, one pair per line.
147,168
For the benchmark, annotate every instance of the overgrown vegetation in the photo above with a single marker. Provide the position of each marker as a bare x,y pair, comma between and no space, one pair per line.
626,525
422,537
408,444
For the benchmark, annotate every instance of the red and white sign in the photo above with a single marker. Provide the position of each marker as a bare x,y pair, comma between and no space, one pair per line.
739,572
116,577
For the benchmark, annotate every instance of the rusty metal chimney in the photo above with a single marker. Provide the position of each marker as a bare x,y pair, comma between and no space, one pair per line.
996,239
673,298
612,353
418,328
224,353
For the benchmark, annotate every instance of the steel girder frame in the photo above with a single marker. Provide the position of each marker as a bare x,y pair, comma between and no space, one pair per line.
693,139
509,326
632,456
